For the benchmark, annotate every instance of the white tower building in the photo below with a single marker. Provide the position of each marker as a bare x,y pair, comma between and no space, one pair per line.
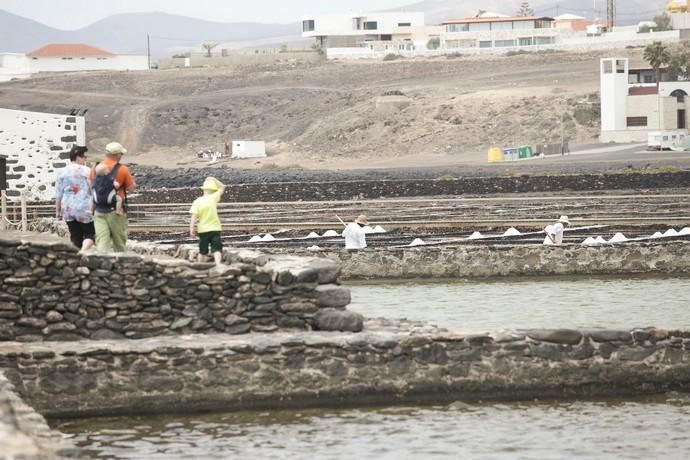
614,93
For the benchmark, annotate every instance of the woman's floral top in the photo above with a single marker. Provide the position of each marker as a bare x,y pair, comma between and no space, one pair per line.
74,192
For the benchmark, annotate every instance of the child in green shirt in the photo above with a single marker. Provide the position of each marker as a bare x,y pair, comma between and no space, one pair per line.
205,221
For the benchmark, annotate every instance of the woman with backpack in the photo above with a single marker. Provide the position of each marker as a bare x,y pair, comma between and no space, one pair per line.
73,199
111,226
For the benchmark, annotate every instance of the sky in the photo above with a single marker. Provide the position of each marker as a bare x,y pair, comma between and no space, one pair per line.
75,14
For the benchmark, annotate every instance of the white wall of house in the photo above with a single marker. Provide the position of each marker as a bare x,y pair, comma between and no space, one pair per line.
69,64
353,24
14,66
37,146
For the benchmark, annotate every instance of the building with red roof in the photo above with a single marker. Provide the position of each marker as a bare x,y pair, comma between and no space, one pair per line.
71,57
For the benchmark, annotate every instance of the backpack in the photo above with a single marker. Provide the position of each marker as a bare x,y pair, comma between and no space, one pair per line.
104,191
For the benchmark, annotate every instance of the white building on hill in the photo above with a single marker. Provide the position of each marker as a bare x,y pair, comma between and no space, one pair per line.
14,66
632,108
357,30
75,57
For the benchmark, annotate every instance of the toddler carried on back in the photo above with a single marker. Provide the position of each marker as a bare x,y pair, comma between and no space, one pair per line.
105,189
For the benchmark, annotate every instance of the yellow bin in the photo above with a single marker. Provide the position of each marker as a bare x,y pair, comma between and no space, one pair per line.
495,155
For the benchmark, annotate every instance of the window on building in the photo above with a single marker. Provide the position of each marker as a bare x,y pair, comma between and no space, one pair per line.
479,26
386,37
485,43
542,24
620,66
526,41
637,122
404,24
608,66
679,94
66,58
457,27
504,43
648,79
507,25
308,25
371,25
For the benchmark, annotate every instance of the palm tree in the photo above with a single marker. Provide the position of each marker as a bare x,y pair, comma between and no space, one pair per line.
525,9
656,54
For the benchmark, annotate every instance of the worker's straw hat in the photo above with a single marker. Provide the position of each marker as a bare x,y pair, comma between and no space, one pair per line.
115,148
210,185
564,220
362,220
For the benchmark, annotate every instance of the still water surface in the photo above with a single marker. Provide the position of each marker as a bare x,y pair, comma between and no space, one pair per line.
639,428
523,303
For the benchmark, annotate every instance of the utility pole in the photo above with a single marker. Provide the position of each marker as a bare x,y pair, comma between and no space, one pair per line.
610,14
148,49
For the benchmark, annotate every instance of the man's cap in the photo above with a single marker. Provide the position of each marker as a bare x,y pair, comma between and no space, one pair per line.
115,148
362,219
564,220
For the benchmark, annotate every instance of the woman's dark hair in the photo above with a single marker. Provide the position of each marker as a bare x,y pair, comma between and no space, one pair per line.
77,151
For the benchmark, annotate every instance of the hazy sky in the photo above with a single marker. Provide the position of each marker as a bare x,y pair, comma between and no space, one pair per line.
74,14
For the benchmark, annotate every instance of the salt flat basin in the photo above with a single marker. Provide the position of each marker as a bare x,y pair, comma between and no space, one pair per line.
530,302
594,430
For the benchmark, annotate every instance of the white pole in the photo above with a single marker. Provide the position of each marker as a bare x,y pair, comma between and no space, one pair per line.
3,214
24,223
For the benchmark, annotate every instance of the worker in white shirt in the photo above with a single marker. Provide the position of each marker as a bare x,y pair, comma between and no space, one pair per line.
554,233
354,233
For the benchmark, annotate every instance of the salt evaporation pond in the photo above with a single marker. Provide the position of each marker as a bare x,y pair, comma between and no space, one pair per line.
631,428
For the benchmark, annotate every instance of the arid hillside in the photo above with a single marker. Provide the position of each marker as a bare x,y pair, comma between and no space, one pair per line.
334,114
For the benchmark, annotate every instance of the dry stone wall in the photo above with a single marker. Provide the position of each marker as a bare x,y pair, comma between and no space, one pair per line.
387,363
49,291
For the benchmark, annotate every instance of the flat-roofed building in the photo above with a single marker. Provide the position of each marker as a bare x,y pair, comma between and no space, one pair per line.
498,32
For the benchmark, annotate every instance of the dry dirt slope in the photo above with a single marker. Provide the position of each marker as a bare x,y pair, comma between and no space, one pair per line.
328,112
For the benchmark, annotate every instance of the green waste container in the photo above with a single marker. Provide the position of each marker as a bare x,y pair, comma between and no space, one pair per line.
525,151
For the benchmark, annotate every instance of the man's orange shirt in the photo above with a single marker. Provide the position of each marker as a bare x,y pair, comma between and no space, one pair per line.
123,176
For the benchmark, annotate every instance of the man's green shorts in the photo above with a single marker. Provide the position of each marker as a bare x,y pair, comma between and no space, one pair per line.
212,239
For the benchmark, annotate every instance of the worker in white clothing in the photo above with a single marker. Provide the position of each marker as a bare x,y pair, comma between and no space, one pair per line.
554,233
354,233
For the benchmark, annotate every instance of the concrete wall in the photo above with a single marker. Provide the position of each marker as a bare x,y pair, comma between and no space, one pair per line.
37,146
241,59
49,291
14,66
388,363
71,64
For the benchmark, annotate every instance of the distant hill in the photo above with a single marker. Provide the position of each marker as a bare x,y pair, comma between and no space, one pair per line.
126,33
628,11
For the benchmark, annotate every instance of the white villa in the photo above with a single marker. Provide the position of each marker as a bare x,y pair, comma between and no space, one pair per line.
632,108
66,58
374,35
365,30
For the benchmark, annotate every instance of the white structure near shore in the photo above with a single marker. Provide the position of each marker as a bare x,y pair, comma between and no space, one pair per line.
631,110
66,58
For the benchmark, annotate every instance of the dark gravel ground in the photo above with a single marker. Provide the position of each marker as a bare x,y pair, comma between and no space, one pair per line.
155,178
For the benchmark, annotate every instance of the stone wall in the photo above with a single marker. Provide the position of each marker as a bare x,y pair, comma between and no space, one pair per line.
387,363
37,146
49,291
484,260
24,434
314,190
477,261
